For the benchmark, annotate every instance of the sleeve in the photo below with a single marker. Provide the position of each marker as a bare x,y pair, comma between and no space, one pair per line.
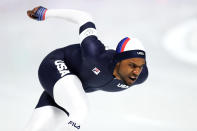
90,44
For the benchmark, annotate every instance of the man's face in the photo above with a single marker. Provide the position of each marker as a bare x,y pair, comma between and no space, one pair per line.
128,70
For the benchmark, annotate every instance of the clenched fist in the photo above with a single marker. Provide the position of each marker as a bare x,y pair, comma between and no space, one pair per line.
37,13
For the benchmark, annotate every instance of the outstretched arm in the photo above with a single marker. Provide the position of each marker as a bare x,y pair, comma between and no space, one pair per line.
91,46
75,16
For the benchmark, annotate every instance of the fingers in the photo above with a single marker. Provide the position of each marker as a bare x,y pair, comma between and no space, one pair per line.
31,13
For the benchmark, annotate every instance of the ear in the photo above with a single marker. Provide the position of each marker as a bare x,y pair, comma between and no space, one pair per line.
116,70
118,64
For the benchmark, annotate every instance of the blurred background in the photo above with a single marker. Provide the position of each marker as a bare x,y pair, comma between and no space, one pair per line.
167,101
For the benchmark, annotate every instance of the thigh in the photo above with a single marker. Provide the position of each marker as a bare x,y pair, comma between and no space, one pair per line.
52,69
69,94
46,118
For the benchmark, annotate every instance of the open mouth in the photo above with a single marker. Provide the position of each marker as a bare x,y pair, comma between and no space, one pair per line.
133,78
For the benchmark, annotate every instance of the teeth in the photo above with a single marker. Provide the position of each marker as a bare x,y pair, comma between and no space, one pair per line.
132,78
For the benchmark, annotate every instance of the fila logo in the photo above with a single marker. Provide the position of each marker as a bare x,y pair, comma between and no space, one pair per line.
74,124
61,67
122,86
87,32
140,53
96,71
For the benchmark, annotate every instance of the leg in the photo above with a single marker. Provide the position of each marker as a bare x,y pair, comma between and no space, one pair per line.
69,94
64,87
47,118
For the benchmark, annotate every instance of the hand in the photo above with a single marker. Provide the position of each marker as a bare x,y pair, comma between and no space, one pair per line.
31,13
37,13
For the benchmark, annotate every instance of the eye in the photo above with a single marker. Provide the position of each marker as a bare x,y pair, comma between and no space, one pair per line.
132,65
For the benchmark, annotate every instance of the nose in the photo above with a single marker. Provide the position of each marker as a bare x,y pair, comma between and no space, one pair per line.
137,70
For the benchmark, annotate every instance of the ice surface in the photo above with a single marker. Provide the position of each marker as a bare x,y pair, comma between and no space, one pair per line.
166,102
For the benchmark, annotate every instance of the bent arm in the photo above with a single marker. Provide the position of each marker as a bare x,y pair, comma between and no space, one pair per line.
90,44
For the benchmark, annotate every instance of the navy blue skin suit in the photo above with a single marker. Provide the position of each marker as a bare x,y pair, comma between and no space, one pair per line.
90,61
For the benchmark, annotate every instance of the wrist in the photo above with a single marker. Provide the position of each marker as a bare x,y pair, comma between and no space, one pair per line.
40,13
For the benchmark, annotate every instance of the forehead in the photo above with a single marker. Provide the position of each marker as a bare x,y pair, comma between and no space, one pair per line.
138,61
